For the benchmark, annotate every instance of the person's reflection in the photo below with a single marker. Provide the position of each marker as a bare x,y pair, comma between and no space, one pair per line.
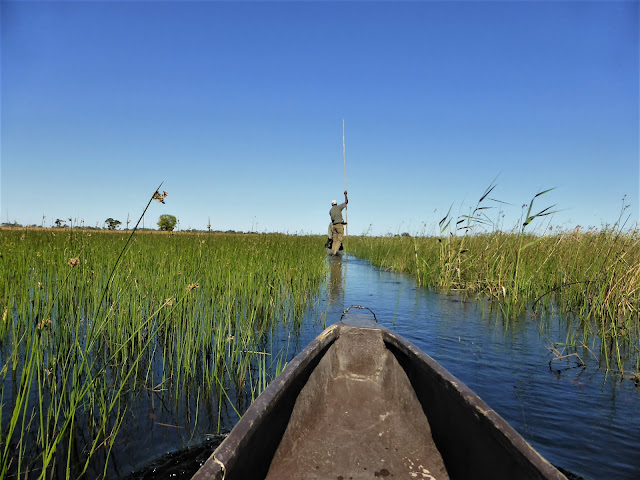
335,280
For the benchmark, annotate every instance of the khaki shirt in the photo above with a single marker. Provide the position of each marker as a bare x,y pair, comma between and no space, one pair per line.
336,213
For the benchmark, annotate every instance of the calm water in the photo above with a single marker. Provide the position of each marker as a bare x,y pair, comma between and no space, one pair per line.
578,418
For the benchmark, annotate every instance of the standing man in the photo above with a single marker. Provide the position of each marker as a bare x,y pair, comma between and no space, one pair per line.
338,223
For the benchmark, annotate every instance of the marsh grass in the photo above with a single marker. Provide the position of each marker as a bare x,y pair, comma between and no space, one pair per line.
591,278
184,316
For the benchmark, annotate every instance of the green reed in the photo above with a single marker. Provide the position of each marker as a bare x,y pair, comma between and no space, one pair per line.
590,277
182,312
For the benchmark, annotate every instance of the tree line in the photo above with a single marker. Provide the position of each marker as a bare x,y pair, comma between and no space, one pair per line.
166,223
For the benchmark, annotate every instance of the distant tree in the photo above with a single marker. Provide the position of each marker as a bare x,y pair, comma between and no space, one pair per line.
15,224
58,222
112,224
167,222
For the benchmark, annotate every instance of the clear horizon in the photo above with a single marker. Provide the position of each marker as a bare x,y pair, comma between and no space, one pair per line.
237,107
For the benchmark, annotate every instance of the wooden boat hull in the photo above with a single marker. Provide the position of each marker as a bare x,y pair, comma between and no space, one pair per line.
307,424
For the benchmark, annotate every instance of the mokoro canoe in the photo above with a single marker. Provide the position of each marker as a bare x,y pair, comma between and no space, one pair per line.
362,402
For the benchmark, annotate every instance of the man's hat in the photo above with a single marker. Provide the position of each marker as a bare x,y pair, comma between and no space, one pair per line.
334,202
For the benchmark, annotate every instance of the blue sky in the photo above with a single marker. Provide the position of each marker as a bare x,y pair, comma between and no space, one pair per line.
238,107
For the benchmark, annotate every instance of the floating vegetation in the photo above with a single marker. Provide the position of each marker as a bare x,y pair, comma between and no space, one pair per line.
183,315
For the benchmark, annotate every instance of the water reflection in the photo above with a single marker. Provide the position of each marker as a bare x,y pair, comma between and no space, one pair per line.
335,284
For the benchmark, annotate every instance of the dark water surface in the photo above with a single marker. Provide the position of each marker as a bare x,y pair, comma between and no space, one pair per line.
580,419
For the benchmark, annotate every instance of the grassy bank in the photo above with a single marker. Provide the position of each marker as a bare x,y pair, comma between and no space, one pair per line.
181,312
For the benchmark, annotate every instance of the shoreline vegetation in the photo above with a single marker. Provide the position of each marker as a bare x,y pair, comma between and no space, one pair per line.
184,318
590,279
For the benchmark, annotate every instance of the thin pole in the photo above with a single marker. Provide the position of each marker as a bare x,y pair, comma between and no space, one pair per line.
346,213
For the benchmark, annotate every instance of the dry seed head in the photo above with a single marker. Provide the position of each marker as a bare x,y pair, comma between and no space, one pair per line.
160,196
192,286
44,323
74,261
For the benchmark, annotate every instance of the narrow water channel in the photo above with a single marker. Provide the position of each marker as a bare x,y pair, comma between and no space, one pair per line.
580,419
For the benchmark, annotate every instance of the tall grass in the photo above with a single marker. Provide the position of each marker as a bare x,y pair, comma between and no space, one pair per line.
185,314
590,277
